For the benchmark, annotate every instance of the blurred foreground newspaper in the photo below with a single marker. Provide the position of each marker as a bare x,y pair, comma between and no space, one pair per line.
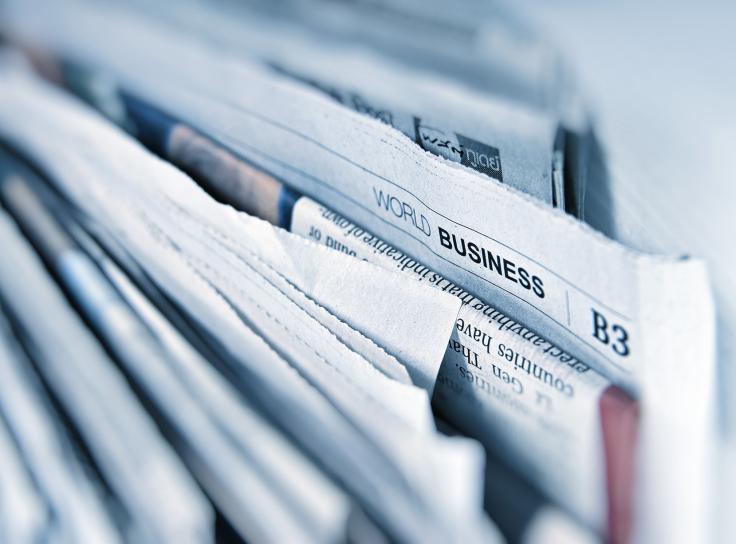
420,486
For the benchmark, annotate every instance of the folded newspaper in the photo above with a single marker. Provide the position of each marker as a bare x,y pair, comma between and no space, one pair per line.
274,273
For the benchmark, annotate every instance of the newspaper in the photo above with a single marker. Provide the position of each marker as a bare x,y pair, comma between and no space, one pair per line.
309,507
644,322
74,505
508,386
177,232
353,163
143,471
614,309
482,47
500,385
521,147
316,500
23,510
520,511
492,50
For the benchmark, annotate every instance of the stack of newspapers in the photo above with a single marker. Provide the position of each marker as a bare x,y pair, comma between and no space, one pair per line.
323,271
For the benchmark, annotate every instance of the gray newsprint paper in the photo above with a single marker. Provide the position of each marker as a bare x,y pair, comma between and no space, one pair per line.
644,321
443,117
223,267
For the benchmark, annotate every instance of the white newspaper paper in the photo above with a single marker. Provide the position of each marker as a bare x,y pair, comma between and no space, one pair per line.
333,400
76,510
501,139
139,465
320,506
23,511
407,197
499,382
645,321
483,43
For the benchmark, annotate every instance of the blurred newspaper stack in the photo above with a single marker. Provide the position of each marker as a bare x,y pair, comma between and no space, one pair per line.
320,272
